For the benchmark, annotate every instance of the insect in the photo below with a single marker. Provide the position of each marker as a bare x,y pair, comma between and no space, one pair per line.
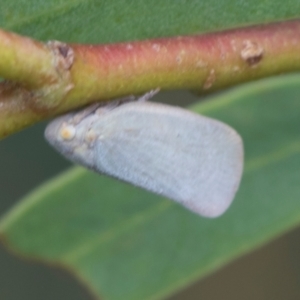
192,159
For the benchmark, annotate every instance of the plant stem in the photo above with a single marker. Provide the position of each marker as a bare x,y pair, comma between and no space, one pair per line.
54,78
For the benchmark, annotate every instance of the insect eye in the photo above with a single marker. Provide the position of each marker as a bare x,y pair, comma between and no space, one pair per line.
67,132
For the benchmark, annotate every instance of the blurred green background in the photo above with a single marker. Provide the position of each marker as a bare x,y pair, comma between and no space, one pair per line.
272,272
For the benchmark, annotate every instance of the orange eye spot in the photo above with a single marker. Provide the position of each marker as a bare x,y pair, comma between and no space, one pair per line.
67,132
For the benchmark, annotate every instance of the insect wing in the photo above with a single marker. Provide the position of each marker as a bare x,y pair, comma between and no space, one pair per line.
192,159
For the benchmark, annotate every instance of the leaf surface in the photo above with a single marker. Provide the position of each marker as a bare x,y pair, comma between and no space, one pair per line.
96,21
126,243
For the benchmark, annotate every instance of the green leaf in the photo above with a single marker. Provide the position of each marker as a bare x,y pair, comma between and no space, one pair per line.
98,21
126,243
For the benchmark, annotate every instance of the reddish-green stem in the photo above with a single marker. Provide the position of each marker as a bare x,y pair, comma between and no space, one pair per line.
61,77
